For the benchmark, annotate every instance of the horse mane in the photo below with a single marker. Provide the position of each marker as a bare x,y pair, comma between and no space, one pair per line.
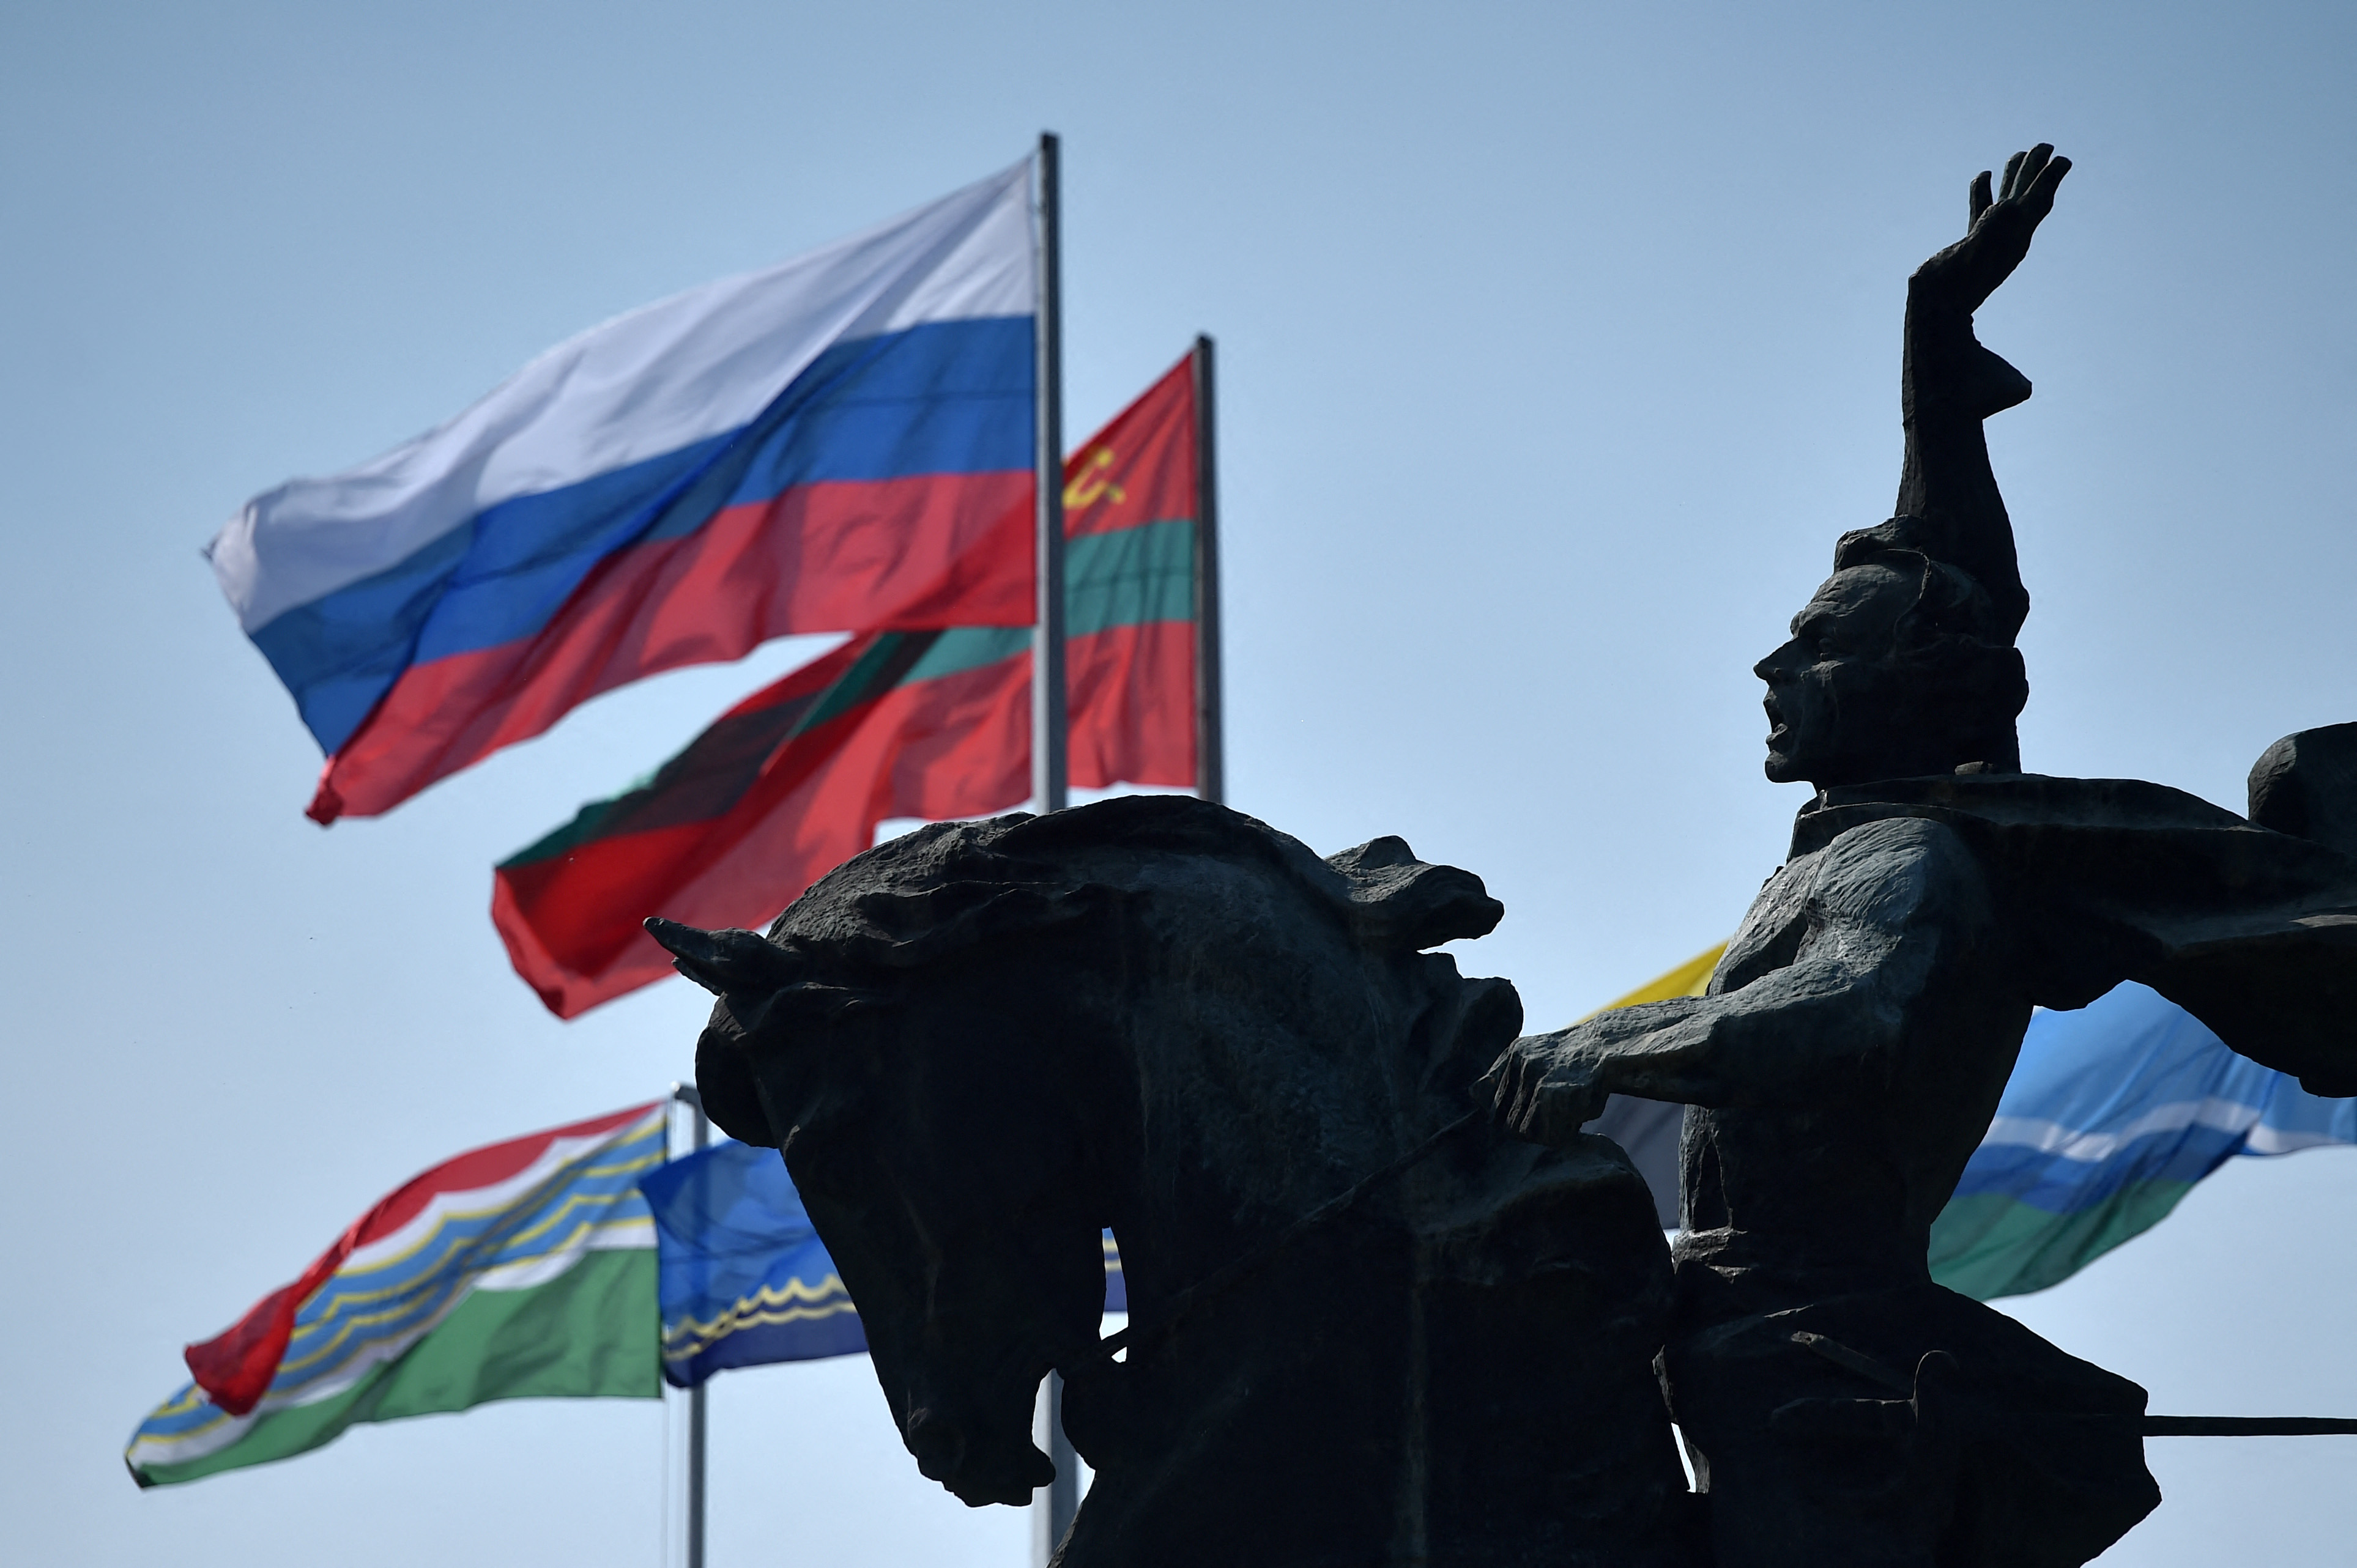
860,931
949,885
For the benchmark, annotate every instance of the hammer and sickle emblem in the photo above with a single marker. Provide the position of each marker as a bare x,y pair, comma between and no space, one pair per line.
1085,487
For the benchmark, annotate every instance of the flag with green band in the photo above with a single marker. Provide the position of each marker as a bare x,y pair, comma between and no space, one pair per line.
795,781
523,1269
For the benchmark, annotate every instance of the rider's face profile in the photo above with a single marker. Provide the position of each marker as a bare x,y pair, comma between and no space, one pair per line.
1826,697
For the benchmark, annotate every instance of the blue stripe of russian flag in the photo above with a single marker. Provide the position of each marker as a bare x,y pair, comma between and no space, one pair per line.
844,442
945,398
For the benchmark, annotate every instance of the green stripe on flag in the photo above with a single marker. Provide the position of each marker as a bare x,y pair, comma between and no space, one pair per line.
876,672
968,648
593,1332
1130,577
1989,1244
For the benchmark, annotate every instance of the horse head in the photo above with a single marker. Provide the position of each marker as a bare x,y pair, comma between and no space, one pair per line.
979,1044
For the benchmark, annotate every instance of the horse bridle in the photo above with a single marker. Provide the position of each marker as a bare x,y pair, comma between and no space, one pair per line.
1237,1269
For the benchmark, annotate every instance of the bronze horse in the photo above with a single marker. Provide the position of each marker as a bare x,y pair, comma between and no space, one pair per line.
980,1043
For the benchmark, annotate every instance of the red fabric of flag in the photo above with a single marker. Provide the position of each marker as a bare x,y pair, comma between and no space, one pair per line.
1130,516
235,1367
795,780
781,789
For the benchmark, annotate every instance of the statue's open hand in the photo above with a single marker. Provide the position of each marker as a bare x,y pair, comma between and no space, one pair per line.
1545,1087
1973,267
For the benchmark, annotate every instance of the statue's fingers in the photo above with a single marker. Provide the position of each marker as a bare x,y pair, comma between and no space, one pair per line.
1514,1098
1537,1123
1549,1118
1538,1114
1530,1113
1980,196
2012,175
1500,1084
2033,162
1561,1112
1531,1093
2040,196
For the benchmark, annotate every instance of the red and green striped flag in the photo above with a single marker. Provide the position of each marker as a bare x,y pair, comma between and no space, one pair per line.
795,781
1133,548
520,1270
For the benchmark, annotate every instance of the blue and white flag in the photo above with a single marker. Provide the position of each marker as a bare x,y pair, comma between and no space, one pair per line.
744,1278
2113,1112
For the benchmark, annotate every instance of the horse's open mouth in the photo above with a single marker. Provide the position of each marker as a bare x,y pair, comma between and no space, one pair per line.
977,1467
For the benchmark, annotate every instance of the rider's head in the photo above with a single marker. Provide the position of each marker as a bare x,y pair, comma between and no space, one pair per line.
1901,665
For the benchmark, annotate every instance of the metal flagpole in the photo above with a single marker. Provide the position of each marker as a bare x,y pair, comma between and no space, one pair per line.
1061,1498
1210,758
698,1137
1048,721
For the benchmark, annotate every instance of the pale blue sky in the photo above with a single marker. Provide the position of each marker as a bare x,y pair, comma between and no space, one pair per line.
1559,342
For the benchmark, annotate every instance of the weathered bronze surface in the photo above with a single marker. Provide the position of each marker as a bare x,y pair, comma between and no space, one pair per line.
1860,1028
979,1044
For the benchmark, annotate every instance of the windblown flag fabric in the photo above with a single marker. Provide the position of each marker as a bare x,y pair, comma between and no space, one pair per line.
746,1280
1649,1129
783,789
2112,1115
795,781
841,443
1131,516
523,1269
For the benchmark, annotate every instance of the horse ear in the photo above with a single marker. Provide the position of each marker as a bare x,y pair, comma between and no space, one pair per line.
746,970
728,963
1399,904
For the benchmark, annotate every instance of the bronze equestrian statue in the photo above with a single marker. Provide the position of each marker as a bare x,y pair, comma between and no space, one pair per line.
1392,1306
1840,1408
980,1043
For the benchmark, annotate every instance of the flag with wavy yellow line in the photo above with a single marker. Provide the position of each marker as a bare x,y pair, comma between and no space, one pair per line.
521,1269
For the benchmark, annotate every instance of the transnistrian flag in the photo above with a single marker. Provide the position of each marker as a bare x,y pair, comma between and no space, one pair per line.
2113,1111
746,1280
1132,529
841,443
523,1269
795,781
783,789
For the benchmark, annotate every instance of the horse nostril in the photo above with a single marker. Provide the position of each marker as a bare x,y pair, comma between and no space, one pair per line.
937,1445
976,1473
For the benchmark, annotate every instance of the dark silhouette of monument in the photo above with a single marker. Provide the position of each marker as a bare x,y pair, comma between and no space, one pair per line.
1839,1407
980,1043
1371,1327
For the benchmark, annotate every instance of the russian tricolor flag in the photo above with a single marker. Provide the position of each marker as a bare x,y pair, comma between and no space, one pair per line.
844,442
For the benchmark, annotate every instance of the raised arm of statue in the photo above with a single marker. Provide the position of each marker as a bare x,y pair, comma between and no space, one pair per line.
1964,275
1948,383
1852,957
